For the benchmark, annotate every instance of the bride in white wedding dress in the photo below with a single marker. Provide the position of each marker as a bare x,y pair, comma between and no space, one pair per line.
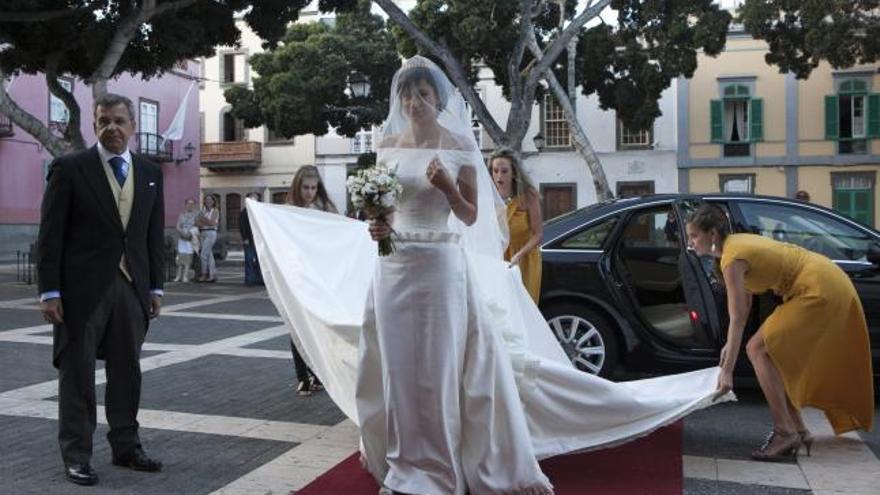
437,351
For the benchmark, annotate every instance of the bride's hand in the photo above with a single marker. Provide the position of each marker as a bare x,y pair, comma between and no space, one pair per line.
379,229
438,177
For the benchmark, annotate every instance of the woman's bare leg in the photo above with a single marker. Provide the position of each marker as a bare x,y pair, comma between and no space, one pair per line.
771,384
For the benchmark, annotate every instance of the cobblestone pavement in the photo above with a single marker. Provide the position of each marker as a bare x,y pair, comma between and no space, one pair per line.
219,408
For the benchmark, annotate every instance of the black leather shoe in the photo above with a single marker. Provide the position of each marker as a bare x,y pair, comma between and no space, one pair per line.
81,474
138,460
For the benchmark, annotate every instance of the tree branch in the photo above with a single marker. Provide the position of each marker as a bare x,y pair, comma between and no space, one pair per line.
123,35
554,50
73,131
581,141
453,67
28,123
48,15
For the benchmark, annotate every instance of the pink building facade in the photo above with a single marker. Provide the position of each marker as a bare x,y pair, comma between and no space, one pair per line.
23,160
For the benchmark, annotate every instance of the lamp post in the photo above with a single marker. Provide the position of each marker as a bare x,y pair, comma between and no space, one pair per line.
539,141
189,149
358,84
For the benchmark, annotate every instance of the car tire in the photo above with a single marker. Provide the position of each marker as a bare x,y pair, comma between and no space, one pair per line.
598,354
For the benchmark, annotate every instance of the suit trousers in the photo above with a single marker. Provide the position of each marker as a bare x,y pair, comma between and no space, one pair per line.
115,331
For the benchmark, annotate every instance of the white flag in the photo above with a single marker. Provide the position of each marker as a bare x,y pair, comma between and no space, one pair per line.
175,129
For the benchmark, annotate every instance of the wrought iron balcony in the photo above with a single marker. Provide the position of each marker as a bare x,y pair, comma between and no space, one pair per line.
232,156
155,148
5,126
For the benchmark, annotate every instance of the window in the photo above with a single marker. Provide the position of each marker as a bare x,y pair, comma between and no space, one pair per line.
557,199
58,113
279,197
233,68
807,228
737,183
362,142
592,237
634,139
148,127
737,120
272,136
233,211
556,131
852,116
233,128
854,195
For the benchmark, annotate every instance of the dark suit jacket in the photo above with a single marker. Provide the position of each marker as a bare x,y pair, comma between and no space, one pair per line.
244,226
82,239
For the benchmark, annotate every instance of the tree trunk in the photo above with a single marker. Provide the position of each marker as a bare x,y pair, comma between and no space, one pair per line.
30,124
579,137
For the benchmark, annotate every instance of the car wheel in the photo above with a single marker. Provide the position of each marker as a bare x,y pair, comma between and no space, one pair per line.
586,336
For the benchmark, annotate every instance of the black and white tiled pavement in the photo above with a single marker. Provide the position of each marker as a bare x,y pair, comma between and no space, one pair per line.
219,409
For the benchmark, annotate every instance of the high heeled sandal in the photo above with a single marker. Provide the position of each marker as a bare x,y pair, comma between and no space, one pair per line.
806,440
778,447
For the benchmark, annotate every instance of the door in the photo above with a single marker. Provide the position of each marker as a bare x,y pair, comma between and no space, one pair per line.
653,272
557,199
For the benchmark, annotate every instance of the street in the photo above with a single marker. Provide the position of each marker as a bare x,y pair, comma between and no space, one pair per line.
219,408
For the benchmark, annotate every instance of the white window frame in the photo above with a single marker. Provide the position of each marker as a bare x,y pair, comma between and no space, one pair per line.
552,115
362,142
58,111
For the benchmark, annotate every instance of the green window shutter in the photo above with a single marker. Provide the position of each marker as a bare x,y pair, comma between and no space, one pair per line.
863,206
831,117
716,114
842,202
874,115
756,118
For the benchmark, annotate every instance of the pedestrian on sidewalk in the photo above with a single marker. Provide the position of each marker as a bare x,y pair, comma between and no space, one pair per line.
188,239
207,222
252,274
307,191
100,261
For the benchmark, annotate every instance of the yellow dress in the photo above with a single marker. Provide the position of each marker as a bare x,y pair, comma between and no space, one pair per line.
817,337
530,264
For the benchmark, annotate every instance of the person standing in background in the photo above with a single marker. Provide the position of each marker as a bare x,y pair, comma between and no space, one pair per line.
207,221
252,275
188,240
524,218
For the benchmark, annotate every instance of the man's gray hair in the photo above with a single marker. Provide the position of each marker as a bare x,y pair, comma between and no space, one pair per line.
110,100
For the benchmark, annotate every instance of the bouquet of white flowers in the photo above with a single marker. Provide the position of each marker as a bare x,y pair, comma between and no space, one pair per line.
376,191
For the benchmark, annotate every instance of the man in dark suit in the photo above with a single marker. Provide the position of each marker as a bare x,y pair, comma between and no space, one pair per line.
100,265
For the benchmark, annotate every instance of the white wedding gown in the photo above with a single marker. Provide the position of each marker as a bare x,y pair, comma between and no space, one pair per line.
462,386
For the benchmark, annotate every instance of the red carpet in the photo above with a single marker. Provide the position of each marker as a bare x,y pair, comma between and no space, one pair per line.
648,466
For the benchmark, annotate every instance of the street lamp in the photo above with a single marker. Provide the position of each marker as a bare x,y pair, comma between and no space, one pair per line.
539,141
359,84
189,149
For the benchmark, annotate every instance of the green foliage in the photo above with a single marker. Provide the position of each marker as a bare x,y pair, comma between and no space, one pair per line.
802,33
301,84
655,41
628,64
79,42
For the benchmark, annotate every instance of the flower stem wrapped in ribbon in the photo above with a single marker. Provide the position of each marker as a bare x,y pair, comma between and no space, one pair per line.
376,190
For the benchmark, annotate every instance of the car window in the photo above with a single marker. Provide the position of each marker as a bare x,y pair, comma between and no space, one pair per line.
656,227
807,228
592,237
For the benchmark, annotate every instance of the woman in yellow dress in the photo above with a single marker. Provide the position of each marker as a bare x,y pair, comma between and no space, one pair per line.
813,350
523,218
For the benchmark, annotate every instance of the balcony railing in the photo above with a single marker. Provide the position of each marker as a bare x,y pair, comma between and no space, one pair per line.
154,147
232,155
5,126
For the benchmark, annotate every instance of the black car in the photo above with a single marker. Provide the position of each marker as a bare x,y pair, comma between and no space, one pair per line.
620,286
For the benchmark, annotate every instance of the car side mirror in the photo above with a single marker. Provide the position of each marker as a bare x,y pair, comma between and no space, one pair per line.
874,258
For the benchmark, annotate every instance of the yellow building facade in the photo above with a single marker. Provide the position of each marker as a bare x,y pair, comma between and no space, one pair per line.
745,127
